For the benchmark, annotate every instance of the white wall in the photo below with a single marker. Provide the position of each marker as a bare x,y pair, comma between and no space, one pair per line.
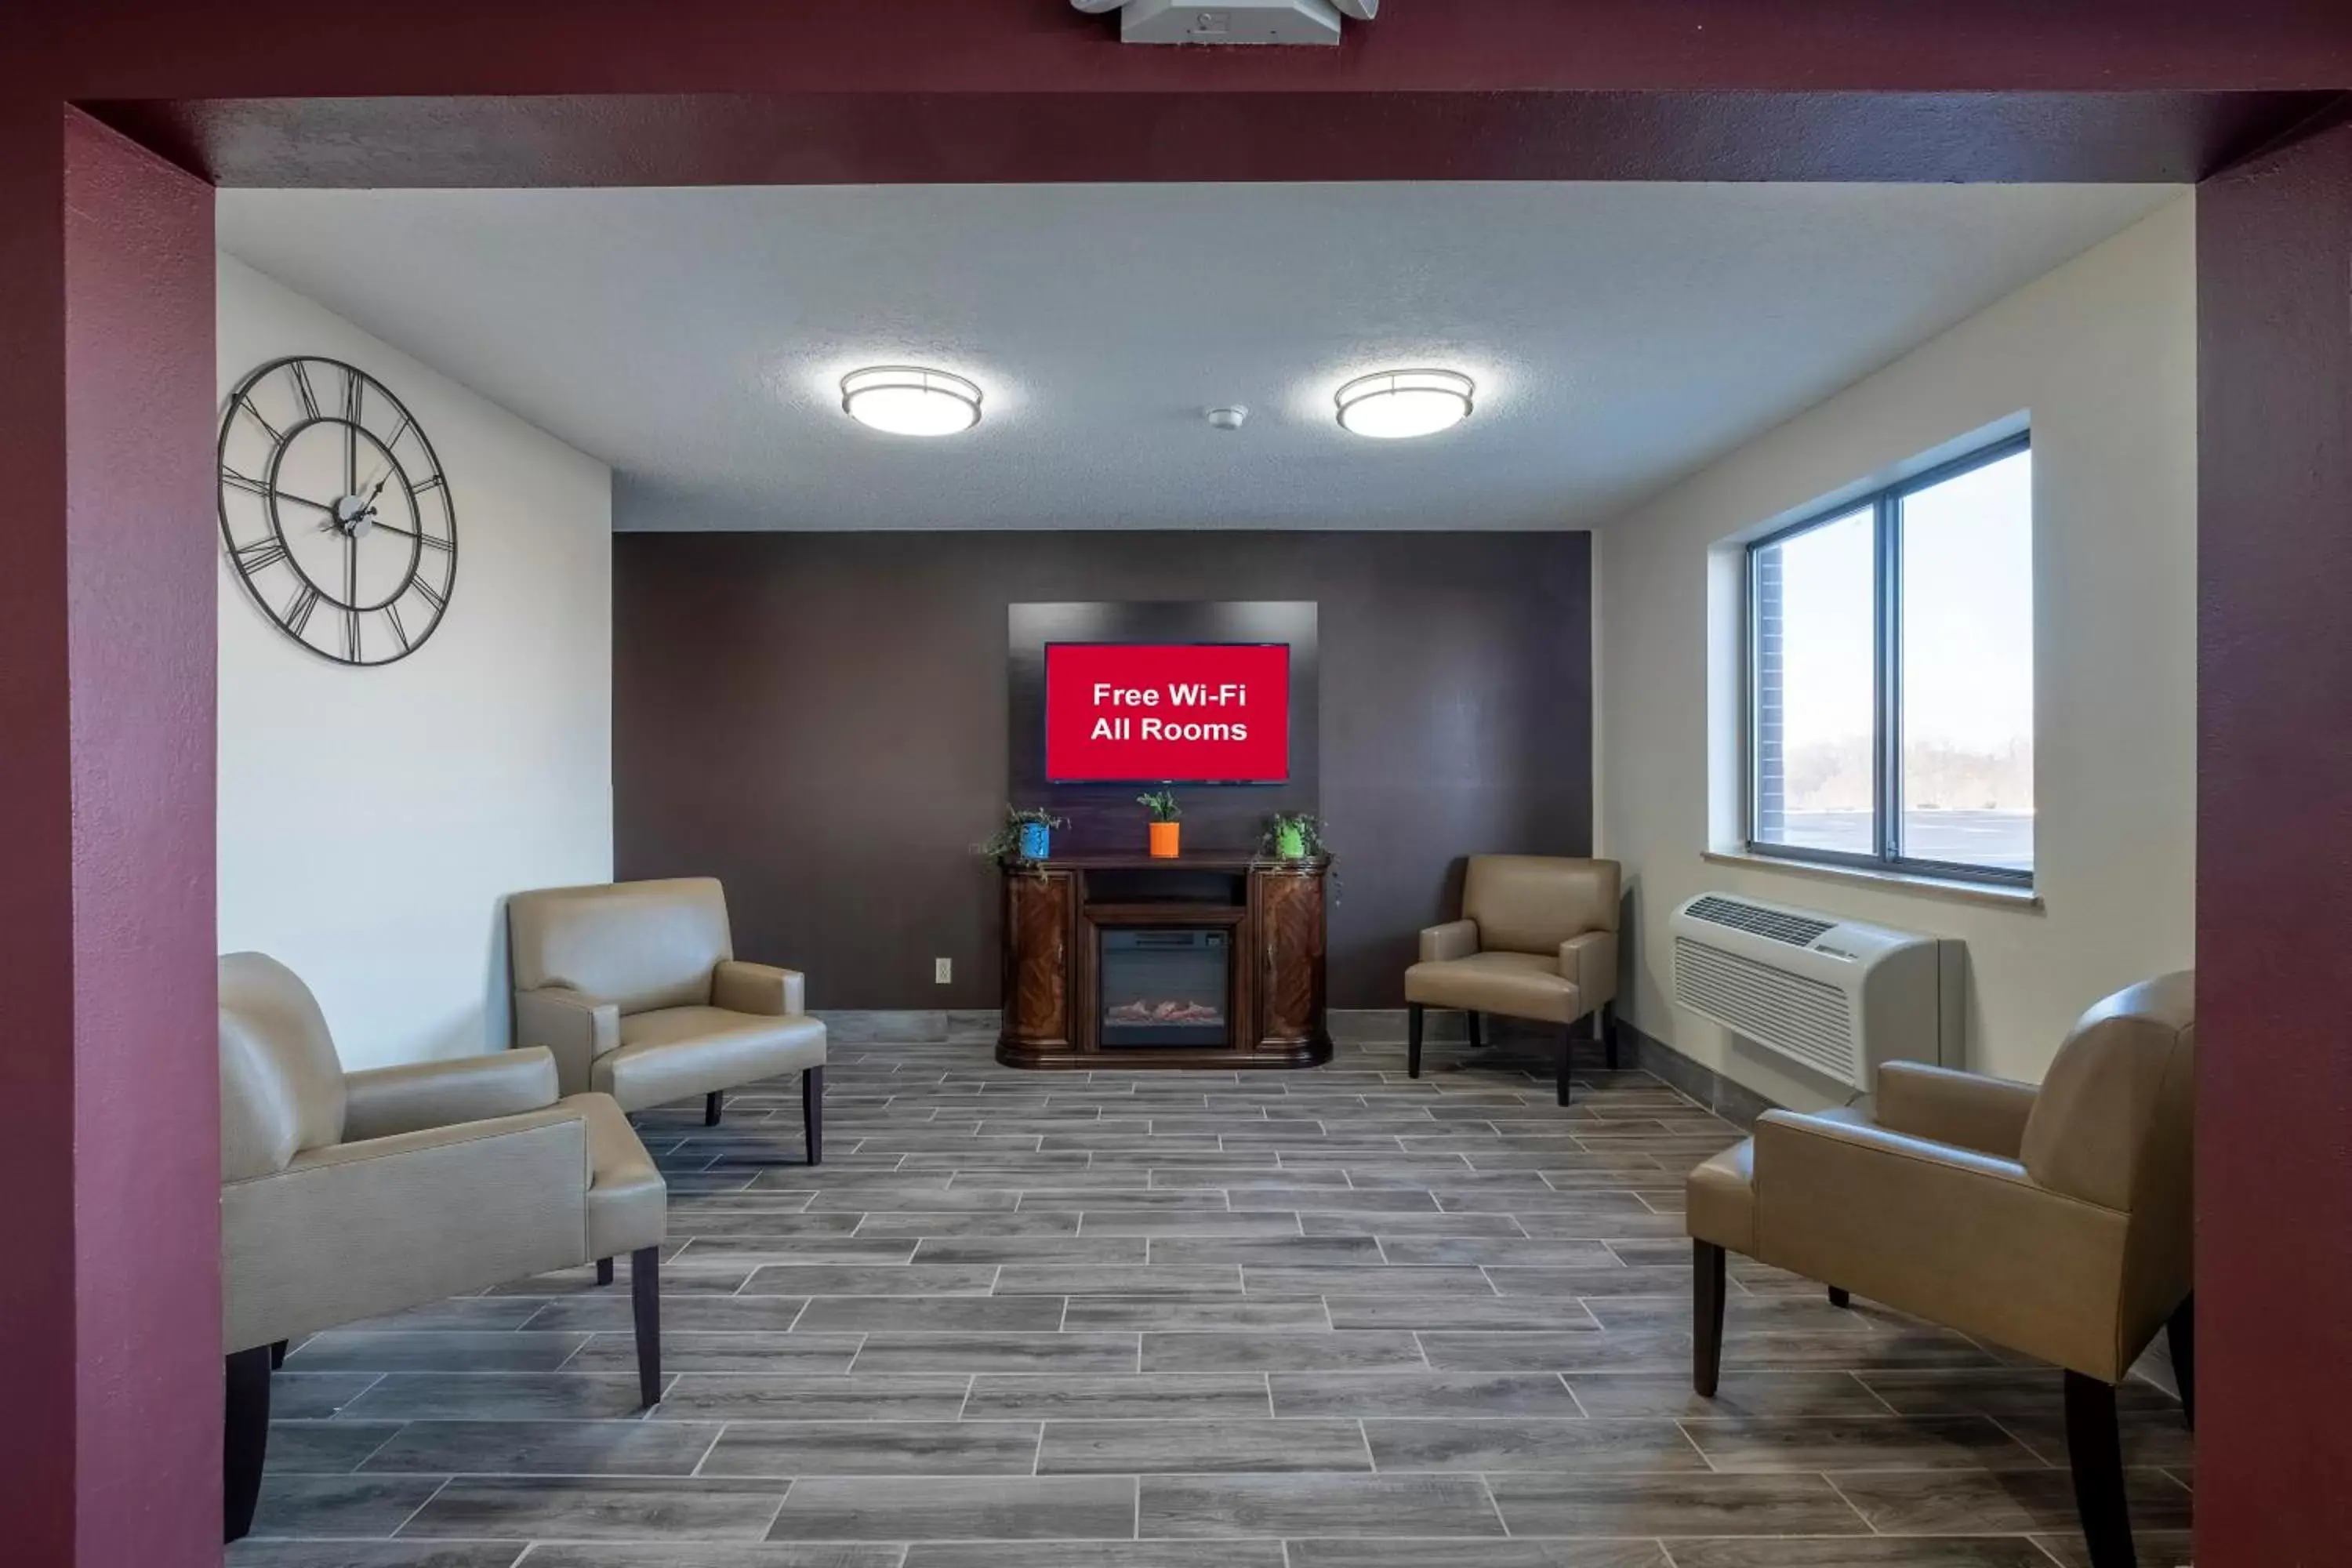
2101,353
372,819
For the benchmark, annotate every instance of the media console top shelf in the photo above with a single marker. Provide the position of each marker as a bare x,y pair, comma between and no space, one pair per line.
1124,961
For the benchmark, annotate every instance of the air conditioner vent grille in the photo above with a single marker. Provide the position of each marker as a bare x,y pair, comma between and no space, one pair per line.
1804,1017
1797,931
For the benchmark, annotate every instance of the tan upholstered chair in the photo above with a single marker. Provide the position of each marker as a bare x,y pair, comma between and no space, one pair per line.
2053,1221
1537,940
348,1195
636,988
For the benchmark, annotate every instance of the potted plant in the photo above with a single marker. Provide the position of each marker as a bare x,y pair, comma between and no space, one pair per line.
1162,805
1027,836
1293,836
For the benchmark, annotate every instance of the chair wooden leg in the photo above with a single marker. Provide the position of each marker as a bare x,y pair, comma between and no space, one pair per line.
1609,1032
1840,1297
1477,1042
1706,1317
2180,1335
645,1304
813,1113
1566,1048
710,1108
245,1439
603,1271
277,1355
2095,1450
1413,1023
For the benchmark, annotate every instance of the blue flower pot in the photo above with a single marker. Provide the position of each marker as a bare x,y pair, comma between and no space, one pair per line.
1036,841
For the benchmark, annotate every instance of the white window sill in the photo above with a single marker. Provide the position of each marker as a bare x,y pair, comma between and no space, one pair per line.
2024,899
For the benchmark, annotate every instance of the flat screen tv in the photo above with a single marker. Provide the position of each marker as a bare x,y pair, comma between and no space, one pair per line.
1167,712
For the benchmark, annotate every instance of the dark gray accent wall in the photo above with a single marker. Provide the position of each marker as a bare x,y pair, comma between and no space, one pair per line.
820,719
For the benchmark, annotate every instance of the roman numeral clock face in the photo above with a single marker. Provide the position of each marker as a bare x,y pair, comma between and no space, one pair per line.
335,511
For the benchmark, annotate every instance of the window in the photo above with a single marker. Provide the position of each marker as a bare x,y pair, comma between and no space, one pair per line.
1891,678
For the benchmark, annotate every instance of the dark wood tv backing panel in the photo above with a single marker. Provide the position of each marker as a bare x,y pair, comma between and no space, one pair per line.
820,719
1104,818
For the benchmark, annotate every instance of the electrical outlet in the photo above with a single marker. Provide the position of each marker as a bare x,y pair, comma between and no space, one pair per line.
943,971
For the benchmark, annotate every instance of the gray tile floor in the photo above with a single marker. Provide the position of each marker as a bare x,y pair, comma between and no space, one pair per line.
1334,1319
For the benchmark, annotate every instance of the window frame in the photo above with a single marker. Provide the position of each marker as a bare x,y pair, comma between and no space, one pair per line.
1885,508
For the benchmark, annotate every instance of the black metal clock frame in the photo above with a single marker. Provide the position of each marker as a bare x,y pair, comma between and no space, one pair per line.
270,553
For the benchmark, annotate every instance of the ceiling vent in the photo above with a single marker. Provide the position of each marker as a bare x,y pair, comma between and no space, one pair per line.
1231,21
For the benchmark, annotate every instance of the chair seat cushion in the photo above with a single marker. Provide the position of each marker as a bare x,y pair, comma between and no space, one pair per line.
679,1053
628,1203
1509,984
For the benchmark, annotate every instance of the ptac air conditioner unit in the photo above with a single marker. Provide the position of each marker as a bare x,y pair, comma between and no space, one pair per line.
1836,995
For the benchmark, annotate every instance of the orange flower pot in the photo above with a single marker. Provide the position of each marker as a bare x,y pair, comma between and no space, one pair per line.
1164,840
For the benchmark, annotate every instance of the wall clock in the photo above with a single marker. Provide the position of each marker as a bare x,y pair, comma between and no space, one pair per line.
335,511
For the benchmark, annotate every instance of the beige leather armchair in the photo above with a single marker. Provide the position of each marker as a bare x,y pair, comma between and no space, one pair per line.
2053,1221
1537,940
636,989
348,1195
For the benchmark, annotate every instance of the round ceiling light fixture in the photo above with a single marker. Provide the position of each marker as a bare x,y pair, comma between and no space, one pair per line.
1396,404
905,400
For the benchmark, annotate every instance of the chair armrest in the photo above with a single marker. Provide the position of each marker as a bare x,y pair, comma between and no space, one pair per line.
385,1101
355,1230
1961,1238
1455,939
1590,961
1986,1114
571,1026
758,988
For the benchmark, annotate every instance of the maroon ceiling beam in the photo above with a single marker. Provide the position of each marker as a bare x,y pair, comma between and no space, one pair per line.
875,138
271,49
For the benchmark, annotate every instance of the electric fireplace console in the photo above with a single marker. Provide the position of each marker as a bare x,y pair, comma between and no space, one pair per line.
1114,962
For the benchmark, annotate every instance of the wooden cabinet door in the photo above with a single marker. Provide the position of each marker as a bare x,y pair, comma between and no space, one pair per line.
1040,917
1289,928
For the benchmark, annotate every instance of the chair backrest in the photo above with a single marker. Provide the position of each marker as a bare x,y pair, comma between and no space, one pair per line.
1532,903
282,1082
2115,1125
639,945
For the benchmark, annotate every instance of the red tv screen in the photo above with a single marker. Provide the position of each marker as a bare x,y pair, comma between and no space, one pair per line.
1167,713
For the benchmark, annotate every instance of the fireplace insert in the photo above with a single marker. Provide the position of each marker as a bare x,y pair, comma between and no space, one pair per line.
1166,986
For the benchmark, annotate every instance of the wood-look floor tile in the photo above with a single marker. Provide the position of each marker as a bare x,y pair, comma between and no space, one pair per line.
1696,1504
2158,1548
1169,1312
1859,1442
694,1351
1978,1502
958,1507
720,1396
707,1554
325,1447
1833,1552
1421,1394
1141,1279
1739,1392
1392,1553
1400,1310
1150,1397
1200,1448
545,1448
598,1508
1524,1443
1204,1223
1312,1504
343,1505
1095,1554
914,1313
1009,1353
295,1553
789,1448
612,1313
1253,1350
1258,1252
429,1351
499,1396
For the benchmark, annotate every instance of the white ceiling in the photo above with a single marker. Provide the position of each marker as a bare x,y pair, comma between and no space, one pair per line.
1621,334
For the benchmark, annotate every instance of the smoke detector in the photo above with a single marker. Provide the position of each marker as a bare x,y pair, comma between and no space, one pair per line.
1231,21
1230,417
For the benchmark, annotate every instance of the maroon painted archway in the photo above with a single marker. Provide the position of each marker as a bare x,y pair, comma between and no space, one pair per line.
108,1452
